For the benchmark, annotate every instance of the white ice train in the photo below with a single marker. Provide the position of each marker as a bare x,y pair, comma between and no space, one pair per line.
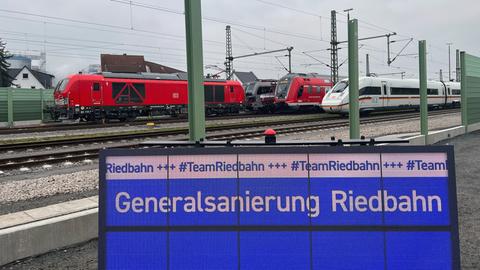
386,94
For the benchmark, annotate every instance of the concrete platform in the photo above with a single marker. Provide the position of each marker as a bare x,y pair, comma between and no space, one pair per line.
433,136
36,231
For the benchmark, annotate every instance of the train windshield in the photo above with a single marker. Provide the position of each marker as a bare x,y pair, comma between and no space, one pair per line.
61,85
282,88
340,87
249,89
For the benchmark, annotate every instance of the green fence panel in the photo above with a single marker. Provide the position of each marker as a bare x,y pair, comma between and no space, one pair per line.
3,106
27,104
473,99
472,88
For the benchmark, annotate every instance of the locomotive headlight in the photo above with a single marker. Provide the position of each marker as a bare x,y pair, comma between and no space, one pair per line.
82,108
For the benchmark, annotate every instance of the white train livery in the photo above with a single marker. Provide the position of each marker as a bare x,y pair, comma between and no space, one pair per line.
386,94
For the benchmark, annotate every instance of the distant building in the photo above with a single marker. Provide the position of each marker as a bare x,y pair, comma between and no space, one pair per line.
19,61
93,68
157,68
244,77
132,64
28,78
32,60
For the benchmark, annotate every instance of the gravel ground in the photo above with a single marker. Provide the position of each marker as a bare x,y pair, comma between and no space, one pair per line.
84,256
467,160
31,193
374,131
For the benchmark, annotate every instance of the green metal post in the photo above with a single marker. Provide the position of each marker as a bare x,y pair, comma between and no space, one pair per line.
463,90
10,107
422,60
354,112
41,105
196,92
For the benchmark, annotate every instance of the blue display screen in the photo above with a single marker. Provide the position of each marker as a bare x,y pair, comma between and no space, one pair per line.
278,208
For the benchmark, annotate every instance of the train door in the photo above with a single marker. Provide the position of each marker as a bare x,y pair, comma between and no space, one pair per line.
96,93
384,100
233,96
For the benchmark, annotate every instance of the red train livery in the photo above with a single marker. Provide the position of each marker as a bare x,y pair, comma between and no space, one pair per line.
298,91
125,96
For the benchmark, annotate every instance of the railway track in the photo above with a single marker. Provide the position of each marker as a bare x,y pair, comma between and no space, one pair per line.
140,122
238,132
63,141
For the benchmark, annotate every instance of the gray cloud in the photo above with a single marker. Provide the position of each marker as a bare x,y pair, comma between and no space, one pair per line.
71,46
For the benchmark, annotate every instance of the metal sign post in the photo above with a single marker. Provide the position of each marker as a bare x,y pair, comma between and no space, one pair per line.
422,58
354,113
463,90
196,92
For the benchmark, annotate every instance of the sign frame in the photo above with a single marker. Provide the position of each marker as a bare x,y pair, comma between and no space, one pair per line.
272,149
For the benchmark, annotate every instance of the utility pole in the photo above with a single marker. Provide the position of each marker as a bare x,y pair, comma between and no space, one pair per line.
457,65
389,59
290,59
333,48
334,45
289,49
228,56
441,75
367,61
348,13
449,61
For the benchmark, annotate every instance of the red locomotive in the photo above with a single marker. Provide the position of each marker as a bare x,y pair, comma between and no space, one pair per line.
125,96
299,91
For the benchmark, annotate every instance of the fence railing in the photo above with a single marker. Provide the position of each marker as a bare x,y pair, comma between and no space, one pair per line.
18,104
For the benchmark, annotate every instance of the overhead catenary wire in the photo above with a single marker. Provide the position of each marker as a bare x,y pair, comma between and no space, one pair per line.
127,30
224,21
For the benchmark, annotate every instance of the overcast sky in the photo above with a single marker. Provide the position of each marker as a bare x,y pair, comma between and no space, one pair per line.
74,33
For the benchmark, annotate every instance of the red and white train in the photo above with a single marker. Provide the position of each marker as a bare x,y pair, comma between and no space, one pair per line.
299,91
125,96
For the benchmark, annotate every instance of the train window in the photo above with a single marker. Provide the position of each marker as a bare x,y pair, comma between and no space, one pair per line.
96,87
219,93
319,90
116,89
370,90
456,91
137,94
340,87
404,91
432,91
264,90
309,90
209,93
62,85
231,89
300,91
124,93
